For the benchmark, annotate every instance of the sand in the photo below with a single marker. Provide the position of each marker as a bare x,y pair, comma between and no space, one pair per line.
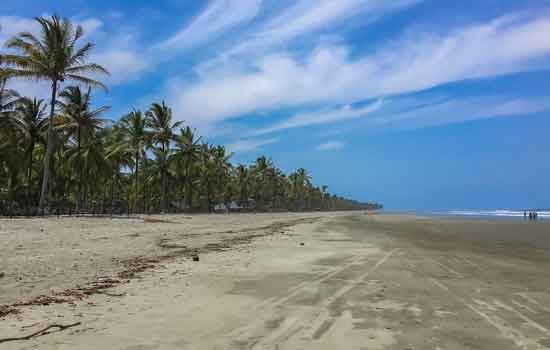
277,281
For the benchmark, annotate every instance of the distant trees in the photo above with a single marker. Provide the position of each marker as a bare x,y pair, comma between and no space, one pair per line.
79,121
73,157
159,120
28,121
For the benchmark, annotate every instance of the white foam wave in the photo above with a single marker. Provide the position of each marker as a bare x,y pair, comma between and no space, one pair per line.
502,213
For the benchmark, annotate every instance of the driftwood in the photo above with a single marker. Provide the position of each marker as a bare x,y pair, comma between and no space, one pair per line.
41,332
112,294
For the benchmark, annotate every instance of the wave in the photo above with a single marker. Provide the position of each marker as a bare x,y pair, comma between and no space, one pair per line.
499,213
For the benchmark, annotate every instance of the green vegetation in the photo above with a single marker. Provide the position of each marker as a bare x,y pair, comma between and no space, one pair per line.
71,158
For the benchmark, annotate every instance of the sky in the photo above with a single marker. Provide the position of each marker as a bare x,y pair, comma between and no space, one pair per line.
417,104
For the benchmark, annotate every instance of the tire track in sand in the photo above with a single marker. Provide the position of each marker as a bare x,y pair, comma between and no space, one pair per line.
503,325
317,316
268,308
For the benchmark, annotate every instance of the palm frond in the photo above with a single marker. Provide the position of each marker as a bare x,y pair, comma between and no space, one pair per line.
92,68
88,81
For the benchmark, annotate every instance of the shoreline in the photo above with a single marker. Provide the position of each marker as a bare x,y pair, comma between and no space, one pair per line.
499,214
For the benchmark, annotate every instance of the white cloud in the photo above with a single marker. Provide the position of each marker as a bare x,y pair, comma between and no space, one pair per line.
247,145
321,117
502,46
330,146
406,114
13,25
121,54
518,106
412,113
330,75
90,26
307,17
31,88
218,17
123,64
277,81
270,79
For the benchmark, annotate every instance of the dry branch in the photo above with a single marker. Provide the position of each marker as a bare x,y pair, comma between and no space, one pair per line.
40,332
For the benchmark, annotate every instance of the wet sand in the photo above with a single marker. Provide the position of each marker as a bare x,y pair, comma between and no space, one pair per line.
280,281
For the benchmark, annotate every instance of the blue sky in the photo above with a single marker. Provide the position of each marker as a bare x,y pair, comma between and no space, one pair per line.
418,104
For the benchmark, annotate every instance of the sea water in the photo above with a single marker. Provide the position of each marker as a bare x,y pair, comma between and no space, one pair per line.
503,213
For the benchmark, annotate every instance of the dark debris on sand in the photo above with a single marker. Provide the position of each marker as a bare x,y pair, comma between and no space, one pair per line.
134,266
6,310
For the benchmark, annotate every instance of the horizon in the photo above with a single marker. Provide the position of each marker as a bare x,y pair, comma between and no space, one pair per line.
414,104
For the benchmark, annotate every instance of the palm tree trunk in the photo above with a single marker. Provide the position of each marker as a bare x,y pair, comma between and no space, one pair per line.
208,197
11,180
188,185
49,149
137,180
189,196
104,196
29,174
79,194
112,190
164,199
113,180
164,204
88,191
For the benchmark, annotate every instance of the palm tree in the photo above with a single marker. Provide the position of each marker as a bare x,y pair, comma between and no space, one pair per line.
136,136
208,174
216,175
96,167
54,57
29,119
262,171
77,118
222,172
300,187
243,183
280,185
118,154
157,174
11,153
188,151
324,196
8,99
159,119
10,140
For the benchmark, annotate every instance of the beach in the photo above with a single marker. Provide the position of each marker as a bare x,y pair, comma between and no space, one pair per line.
319,280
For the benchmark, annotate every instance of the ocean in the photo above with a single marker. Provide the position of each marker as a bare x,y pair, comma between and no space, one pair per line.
470,213
502,213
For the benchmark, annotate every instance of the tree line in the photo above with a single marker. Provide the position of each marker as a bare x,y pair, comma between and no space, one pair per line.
63,153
